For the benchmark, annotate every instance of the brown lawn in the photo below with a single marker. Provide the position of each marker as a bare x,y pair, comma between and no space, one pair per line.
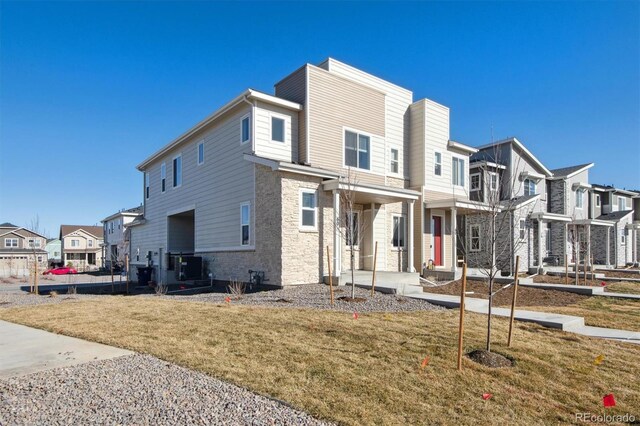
364,371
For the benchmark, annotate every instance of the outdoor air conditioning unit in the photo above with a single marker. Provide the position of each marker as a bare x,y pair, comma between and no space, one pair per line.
188,268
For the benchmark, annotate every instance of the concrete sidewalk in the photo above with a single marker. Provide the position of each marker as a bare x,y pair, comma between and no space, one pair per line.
25,350
582,289
568,323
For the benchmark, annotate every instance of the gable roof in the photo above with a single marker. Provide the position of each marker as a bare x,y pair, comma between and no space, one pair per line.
17,228
615,216
571,170
96,231
135,211
8,225
520,145
611,188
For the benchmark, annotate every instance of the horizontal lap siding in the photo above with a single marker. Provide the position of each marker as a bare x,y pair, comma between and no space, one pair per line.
216,188
416,147
335,103
294,88
287,151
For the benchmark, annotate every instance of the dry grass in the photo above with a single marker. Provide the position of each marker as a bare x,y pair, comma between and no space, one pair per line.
602,312
364,371
624,287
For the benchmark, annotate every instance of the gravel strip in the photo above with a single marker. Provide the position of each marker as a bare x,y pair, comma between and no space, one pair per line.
140,390
20,298
316,296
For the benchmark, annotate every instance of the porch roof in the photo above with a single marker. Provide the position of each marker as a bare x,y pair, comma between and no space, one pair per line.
462,204
553,217
594,222
369,193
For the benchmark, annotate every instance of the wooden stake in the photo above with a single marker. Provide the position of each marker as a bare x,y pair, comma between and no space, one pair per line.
566,269
373,278
330,275
461,327
586,260
513,303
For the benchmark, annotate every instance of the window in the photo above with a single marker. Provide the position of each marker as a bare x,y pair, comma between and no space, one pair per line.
163,176
458,171
523,229
200,153
146,185
529,187
39,258
597,200
548,240
308,209
245,224
399,226
352,229
579,194
493,181
177,171
75,243
34,243
89,243
395,164
111,227
245,130
475,238
623,235
622,204
11,242
356,150
277,129
475,182
438,164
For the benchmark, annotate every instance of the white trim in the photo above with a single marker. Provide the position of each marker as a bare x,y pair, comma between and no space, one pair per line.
407,194
248,205
579,196
163,171
464,171
391,161
471,188
274,100
482,163
173,171
461,147
344,147
475,225
491,175
597,200
198,162
245,117
10,239
181,210
437,163
301,208
404,237
285,126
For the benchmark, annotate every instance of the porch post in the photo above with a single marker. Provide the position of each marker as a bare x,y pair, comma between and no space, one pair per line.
540,257
410,267
454,240
588,262
608,247
337,246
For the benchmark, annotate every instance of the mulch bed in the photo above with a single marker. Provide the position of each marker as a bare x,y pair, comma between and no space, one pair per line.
616,274
554,279
490,359
526,296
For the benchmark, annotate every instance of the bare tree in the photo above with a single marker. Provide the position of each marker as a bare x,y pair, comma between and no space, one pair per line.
34,227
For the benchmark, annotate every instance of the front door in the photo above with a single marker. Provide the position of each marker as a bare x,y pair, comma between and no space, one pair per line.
437,240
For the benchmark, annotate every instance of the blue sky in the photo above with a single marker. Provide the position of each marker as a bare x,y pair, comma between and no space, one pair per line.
88,90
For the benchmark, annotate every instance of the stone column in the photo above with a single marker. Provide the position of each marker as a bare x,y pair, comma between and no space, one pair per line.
540,257
337,241
454,240
410,236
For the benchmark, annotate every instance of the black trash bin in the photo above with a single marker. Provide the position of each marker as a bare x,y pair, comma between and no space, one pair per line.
144,275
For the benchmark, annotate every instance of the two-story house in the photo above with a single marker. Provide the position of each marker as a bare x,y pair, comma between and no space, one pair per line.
615,206
258,184
635,228
20,248
116,235
510,180
82,246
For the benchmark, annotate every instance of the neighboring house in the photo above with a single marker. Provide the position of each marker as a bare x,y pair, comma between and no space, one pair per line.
257,184
20,249
506,176
54,251
635,227
82,246
116,235
617,208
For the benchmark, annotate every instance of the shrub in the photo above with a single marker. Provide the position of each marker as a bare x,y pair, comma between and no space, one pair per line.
236,288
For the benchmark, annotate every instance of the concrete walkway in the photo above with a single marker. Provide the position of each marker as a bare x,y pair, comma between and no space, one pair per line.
581,289
568,323
25,350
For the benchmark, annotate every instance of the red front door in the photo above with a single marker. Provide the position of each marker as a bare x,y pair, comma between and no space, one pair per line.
437,240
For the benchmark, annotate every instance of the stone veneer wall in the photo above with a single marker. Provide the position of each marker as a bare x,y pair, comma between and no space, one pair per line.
559,240
558,199
599,244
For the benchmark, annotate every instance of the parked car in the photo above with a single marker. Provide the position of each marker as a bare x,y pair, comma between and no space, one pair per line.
63,270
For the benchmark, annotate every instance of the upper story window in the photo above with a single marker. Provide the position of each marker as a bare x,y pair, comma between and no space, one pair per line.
356,150
579,198
200,153
177,171
11,242
457,171
437,169
395,163
529,187
163,176
493,181
474,180
622,204
245,129
245,223
277,129
89,243
597,200
308,209
399,231
75,243
34,242
146,185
